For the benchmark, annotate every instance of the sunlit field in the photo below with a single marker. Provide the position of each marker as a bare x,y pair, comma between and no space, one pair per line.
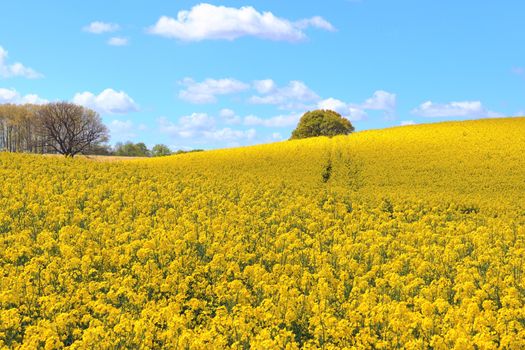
410,237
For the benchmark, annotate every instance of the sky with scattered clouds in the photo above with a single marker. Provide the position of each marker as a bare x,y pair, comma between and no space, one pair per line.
223,74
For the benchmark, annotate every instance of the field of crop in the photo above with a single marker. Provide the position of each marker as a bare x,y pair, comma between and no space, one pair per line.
410,237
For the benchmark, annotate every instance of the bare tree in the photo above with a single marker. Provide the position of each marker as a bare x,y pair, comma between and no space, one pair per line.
70,129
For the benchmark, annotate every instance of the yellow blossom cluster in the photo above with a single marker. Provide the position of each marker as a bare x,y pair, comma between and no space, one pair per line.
409,237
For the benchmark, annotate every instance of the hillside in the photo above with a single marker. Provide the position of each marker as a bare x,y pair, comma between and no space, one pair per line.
478,160
405,237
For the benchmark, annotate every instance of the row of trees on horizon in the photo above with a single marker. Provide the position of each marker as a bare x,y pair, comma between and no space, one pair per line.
67,129
130,149
70,129
59,127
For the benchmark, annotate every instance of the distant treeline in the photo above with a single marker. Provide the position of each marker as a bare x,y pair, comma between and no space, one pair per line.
21,131
130,149
61,127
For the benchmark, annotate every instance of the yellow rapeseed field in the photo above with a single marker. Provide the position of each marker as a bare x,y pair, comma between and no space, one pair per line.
410,237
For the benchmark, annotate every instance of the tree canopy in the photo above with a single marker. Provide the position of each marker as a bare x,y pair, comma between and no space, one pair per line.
70,129
130,149
160,150
322,122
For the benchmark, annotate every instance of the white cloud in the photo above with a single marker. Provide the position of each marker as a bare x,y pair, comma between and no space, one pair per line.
333,104
407,122
382,101
34,99
355,114
227,134
264,86
316,22
168,127
202,126
292,96
101,27
13,96
348,111
118,41
279,121
108,101
188,126
208,90
197,121
229,116
8,95
226,113
295,96
16,69
206,21
121,130
467,109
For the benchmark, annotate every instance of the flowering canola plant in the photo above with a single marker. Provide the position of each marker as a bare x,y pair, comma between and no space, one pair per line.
410,237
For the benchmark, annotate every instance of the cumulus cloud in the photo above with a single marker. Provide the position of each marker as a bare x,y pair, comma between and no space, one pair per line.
207,21
279,121
34,99
196,122
122,129
348,111
292,96
227,134
187,126
467,109
208,90
315,22
382,101
229,116
13,96
202,126
407,122
101,27
16,69
8,95
108,101
264,86
118,41
296,96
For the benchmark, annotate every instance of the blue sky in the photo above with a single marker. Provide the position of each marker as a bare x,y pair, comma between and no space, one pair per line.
222,74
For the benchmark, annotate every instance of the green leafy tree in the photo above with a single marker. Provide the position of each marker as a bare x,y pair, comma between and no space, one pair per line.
322,123
160,150
181,151
130,149
142,150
